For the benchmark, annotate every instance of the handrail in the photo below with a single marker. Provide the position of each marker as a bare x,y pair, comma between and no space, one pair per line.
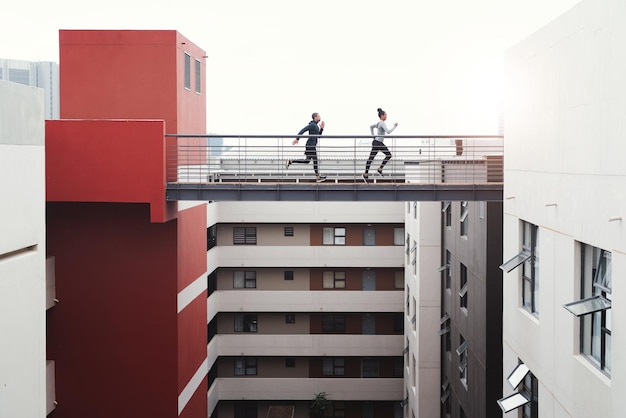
432,159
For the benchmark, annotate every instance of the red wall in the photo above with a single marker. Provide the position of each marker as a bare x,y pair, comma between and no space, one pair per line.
192,320
134,74
108,161
113,333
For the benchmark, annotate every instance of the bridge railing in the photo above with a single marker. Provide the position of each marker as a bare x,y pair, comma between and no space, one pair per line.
263,158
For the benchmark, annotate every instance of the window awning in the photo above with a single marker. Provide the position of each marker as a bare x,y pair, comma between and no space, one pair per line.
515,261
513,401
589,305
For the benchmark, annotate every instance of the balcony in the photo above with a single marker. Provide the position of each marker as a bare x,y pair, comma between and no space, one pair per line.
289,345
345,389
253,168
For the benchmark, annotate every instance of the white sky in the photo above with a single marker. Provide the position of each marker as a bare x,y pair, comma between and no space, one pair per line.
435,66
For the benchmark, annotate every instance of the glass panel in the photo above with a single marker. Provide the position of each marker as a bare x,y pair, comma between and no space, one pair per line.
398,236
515,261
463,290
446,205
443,331
587,306
518,374
461,348
444,267
238,281
444,318
328,236
512,402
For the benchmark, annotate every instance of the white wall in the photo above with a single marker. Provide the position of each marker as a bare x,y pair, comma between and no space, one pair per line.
423,225
565,172
22,253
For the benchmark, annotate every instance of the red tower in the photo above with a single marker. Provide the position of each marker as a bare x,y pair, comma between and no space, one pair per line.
129,333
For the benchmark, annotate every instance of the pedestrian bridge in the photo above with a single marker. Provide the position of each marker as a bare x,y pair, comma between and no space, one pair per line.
253,168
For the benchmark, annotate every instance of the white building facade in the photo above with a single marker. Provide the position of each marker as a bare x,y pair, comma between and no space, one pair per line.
22,254
564,220
41,74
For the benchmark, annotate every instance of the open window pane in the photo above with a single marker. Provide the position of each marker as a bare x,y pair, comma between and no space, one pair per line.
443,331
518,374
444,318
446,205
461,348
515,261
589,305
463,290
513,401
444,267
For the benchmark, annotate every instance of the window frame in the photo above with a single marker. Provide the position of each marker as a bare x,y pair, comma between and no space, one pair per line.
334,282
246,366
246,323
187,72
464,219
198,73
333,366
244,235
334,235
247,279
333,323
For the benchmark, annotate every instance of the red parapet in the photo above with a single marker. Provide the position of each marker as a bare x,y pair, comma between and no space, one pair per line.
108,161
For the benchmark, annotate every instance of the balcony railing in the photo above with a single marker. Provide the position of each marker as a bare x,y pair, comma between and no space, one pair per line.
262,159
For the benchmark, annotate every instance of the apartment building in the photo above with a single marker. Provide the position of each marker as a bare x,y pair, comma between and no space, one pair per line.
564,236
128,333
471,314
41,74
306,298
23,303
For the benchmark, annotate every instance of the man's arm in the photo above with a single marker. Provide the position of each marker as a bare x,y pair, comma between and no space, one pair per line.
303,130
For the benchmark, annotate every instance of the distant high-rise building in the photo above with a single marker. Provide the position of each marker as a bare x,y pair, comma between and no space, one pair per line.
38,74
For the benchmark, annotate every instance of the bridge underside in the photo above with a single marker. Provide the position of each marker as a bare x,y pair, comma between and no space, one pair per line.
333,192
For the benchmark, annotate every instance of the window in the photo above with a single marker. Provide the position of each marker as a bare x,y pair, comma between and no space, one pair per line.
527,396
461,351
414,257
369,236
530,387
446,270
244,235
595,306
334,280
398,279
198,77
290,318
333,366
464,219
333,323
288,275
369,367
530,283
415,210
245,323
211,237
334,236
187,71
398,236
245,367
447,213
288,231
445,325
244,279
463,291
335,409
408,243
290,362
529,261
